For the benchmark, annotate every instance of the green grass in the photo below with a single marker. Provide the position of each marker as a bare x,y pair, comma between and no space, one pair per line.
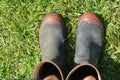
19,27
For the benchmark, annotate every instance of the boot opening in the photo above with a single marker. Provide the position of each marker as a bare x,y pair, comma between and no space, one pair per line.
84,73
49,72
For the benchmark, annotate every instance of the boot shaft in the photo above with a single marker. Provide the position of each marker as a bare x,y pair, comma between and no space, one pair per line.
89,42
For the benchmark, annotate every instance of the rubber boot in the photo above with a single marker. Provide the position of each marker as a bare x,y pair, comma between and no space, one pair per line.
51,38
89,42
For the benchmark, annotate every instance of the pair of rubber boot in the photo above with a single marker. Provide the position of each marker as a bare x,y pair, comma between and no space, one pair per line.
89,41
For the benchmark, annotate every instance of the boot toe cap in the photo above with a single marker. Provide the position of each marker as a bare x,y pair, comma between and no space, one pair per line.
90,18
53,18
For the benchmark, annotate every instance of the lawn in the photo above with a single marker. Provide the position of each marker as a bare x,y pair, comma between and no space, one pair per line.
19,28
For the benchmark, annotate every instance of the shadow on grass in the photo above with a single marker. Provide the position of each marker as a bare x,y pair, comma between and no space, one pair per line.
108,67
69,43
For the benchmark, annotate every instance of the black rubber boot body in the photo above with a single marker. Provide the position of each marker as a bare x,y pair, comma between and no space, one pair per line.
88,43
52,43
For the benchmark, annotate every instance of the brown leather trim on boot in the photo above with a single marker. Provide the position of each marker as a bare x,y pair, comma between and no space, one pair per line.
83,73
47,71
